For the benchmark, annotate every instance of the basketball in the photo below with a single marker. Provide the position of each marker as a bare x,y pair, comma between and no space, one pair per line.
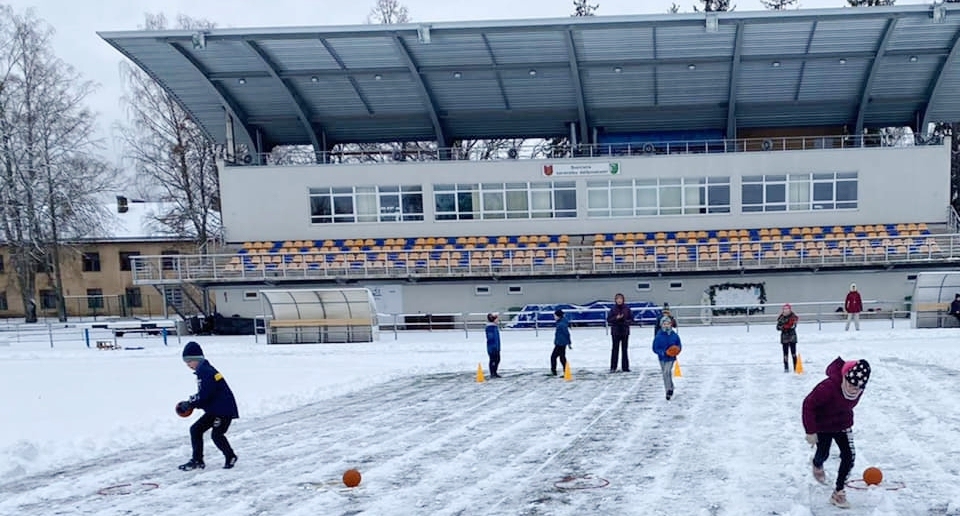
183,409
351,478
872,476
673,351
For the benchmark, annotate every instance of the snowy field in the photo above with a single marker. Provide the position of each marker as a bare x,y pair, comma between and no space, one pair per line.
430,440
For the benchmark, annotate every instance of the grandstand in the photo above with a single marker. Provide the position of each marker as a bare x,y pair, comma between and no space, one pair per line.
720,145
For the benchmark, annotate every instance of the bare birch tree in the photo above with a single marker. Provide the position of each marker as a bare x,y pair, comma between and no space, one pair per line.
175,163
45,132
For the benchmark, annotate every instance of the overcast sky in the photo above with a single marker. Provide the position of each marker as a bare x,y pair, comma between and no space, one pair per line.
77,21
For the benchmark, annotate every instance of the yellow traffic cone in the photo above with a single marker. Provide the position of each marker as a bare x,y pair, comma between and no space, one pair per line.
799,368
676,369
480,378
567,375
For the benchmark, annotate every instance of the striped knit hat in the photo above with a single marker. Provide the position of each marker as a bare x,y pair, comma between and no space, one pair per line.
192,351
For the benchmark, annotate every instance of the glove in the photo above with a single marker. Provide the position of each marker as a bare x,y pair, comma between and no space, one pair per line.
192,399
812,439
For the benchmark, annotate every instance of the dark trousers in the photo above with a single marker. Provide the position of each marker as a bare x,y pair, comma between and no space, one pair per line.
220,425
847,453
561,353
619,347
792,350
494,362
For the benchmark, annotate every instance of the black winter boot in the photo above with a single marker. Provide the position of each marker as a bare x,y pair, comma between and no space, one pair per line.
193,464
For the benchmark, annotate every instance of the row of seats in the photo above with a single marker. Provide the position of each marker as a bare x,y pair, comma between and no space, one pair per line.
406,244
763,234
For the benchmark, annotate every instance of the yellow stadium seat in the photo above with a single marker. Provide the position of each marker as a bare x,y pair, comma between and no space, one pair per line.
564,239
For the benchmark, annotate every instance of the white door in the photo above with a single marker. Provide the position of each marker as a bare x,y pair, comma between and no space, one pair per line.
388,298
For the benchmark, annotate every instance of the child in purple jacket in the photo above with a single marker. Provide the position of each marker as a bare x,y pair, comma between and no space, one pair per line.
828,417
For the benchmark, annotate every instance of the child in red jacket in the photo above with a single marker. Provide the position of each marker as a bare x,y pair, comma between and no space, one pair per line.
787,324
828,417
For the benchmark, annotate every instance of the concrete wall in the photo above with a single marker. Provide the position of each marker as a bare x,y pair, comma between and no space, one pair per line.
461,296
896,184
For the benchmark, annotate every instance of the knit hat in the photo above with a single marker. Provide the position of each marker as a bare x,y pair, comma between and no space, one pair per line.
192,351
491,317
856,372
558,313
786,307
666,321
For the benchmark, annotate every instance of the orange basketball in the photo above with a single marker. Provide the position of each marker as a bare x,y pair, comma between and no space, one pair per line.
673,351
351,478
872,476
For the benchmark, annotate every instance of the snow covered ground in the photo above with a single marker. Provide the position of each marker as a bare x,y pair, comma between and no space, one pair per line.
430,440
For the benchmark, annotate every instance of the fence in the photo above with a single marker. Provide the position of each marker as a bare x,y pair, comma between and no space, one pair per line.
81,334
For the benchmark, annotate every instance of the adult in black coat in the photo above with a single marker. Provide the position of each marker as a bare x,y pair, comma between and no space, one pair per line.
619,319
955,307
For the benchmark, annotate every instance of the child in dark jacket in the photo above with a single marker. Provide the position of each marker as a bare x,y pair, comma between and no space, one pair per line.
787,324
493,343
561,341
828,417
620,318
664,339
216,399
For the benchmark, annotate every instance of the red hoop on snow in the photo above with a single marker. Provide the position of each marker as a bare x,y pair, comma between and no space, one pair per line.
860,485
125,489
570,483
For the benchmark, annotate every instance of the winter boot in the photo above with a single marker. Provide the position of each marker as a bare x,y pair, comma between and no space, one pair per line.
839,498
231,460
193,464
819,475
669,394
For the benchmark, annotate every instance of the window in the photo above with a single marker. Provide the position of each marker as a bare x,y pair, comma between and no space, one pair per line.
43,264
800,192
91,262
170,263
250,295
515,289
348,204
676,285
133,297
644,287
48,299
125,263
3,302
664,196
491,201
481,290
95,299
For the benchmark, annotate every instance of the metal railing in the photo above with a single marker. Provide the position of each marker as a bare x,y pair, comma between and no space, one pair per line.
387,153
515,262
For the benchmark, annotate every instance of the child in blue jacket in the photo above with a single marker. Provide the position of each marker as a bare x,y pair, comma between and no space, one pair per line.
216,399
665,338
561,341
493,343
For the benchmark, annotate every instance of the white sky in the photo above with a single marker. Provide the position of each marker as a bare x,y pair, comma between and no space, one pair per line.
77,21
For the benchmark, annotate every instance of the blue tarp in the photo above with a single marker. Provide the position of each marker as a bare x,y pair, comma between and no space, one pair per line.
590,314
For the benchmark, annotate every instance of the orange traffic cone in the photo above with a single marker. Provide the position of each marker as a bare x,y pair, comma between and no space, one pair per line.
480,378
799,368
676,369
567,375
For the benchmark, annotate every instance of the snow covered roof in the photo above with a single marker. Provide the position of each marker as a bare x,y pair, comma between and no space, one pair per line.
137,224
862,67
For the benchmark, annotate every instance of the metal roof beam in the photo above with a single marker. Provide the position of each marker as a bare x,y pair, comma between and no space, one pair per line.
937,83
577,87
564,65
803,65
303,113
493,59
225,100
428,100
734,78
353,81
874,68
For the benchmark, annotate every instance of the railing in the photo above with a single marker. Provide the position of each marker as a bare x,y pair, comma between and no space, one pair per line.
581,260
541,150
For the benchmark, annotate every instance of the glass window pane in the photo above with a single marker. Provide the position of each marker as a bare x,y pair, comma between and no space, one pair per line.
541,200
388,189
846,175
670,198
622,198
343,190
776,193
646,182
389,208
319,191
846,190
822,192
597,199
517,201
566,202
752,179
491,186
465,205
443,188
445,203
366,190
493,201
828,176
320,206
752,194
646,200
800,192
412,206
598,184
718,198
775,207
775,178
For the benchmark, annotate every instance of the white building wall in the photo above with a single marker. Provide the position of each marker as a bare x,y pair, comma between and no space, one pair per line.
896,184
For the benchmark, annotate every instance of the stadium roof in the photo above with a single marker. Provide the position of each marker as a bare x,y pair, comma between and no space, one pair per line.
861,67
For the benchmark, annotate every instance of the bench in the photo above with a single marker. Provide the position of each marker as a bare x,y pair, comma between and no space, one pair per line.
942,310
149,331
107,344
